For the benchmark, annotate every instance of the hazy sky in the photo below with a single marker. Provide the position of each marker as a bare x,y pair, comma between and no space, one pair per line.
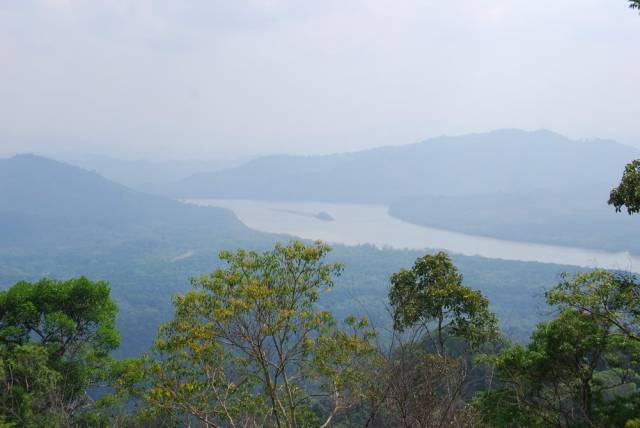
208,78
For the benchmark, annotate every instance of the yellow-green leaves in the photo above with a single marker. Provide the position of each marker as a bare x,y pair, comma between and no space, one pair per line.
247,346
614,298
431,295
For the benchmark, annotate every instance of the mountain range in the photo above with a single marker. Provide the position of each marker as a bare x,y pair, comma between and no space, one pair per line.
534,186
504,161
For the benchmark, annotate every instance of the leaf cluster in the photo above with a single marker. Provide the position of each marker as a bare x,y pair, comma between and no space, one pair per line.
249,347
55,343
432,294
627,193
579,369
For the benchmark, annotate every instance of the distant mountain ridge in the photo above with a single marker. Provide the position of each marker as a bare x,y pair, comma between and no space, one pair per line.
500,161
140,174
44,188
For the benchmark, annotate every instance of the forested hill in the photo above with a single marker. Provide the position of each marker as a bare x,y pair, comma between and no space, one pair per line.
499,161
510,184
60,221
38,187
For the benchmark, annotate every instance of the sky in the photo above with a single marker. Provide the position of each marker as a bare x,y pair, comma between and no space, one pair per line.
207,79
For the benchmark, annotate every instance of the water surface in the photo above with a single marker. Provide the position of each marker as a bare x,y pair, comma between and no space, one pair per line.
371,224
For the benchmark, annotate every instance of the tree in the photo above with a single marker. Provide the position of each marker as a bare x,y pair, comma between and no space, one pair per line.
55,343
438,324
634,4
615,298
249,347
30,388
627,194
580,369
431,295
574,372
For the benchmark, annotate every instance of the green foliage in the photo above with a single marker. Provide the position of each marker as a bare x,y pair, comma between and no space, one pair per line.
432,293
614,298
73,318
634,4
249,346
30,395
55,342
627,194
579,369
439,324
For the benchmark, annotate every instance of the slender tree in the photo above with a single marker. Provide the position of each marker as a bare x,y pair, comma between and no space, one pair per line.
431,295
438,324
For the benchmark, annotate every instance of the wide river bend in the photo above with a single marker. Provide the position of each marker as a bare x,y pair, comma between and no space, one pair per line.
354,224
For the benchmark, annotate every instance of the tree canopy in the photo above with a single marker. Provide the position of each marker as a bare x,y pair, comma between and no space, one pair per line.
249,347
579,369
55,343
431,295
627,194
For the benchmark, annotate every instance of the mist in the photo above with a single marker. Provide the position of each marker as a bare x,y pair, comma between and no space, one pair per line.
222,79
336,213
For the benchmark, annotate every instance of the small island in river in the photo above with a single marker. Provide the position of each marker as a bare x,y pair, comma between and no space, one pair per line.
324,216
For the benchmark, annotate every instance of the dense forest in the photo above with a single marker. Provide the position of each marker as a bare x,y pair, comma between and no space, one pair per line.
249,346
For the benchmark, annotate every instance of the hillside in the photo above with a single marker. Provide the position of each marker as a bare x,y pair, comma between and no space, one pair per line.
580,218
527,186
53,190
60,221
139,174
501,161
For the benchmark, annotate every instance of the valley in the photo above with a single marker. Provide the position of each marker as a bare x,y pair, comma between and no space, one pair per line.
358,224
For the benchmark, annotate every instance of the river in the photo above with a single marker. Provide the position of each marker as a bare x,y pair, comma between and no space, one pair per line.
354,224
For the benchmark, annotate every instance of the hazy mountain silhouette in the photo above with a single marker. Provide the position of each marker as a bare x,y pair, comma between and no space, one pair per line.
140,174
500,161
42,187
43,200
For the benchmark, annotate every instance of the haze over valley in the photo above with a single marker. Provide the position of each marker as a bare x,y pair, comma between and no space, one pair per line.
62,221
545,193
528,196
